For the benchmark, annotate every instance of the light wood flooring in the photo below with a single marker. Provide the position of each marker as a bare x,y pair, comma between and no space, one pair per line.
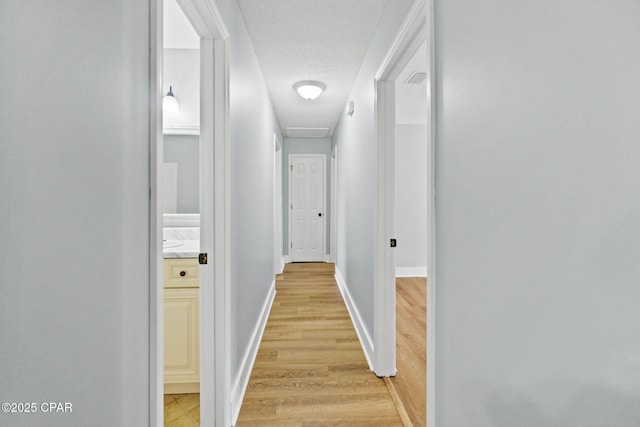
310,369
411,349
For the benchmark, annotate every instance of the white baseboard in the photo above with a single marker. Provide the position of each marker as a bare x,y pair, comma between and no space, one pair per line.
287,259
365,340
411,271
182,388
281,266
240,385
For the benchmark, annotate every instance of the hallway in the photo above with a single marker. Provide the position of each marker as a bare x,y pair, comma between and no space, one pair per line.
310,368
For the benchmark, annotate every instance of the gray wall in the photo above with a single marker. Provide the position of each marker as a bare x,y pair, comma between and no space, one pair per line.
305,146
538,235
411,196
74,219
184,150
74,168
355,138
253,123
181,71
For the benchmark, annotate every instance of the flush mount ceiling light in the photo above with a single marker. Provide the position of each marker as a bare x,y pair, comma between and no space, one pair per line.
170,106
309,89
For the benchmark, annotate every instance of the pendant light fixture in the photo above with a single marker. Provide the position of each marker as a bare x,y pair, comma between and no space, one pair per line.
170,106
309,89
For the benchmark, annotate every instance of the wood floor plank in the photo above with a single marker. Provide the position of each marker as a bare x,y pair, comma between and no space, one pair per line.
310,369
411,354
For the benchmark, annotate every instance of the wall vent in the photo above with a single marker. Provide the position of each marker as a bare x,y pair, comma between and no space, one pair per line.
417,77
307,132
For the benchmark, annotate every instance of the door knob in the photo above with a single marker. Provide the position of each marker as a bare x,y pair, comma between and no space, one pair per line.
320,214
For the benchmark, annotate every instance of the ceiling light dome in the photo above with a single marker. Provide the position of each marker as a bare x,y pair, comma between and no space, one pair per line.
309,89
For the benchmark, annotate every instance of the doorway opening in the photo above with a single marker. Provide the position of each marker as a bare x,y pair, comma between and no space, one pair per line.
413,39
180,215
410,190
212,252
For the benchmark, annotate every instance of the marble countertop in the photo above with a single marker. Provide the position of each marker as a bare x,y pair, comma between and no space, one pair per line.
181,242
181,248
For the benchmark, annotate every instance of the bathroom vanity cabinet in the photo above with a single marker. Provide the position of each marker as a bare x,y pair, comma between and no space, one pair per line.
181,326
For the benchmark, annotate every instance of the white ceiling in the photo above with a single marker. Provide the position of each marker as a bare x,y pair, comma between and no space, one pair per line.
178,32
324,40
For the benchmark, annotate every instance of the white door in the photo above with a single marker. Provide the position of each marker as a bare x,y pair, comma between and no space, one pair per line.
307,195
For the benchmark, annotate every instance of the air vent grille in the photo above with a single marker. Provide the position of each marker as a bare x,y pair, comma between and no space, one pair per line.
417,77
307,132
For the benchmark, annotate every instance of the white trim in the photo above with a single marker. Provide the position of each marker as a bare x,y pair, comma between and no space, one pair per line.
207,240
221,203
215,229
384,292
365,339
278,220
156,267
334,209
246,366
324,201
431,214
286,260
206,19
182,130
409,38
327,258
411,271
416,28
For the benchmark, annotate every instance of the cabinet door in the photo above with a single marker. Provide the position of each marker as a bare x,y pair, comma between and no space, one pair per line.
181,273
181,332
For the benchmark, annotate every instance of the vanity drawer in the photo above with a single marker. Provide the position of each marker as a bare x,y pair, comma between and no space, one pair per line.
181,273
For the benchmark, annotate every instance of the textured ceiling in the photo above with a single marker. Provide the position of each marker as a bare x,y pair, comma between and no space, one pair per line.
323,40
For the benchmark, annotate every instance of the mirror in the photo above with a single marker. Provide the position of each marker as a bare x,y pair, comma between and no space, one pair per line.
181,72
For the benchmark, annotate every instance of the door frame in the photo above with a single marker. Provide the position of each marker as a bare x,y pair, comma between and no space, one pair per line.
417,27
324,202
215,402
278,260
333,230
156,259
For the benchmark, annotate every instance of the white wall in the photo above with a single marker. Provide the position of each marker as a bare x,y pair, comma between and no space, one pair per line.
181,71
305,146
74,168
253,123
538,237
411,200
357,170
